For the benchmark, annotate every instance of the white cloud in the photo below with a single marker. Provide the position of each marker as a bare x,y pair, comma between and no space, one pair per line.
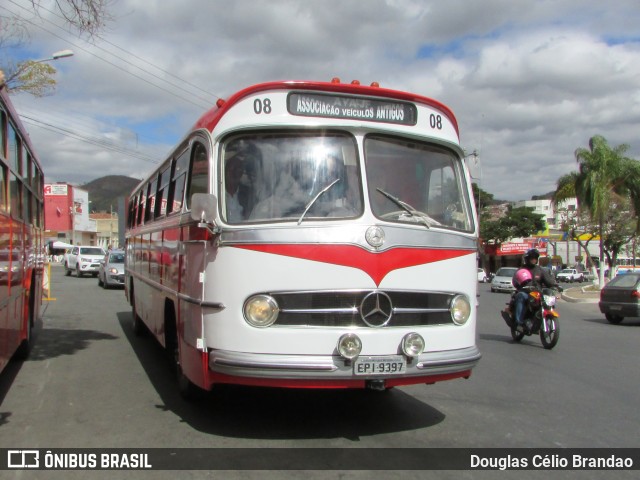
528,81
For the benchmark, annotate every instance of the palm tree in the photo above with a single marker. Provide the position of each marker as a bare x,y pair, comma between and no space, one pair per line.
602,180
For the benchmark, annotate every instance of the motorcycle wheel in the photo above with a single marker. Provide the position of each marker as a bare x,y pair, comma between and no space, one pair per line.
550,338
516,335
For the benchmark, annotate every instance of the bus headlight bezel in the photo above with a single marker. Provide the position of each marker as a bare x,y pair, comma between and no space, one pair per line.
460,309
261,311
349,346
413,344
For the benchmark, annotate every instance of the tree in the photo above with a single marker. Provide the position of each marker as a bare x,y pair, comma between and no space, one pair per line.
518,222
605,178
481,197
32,77
620,231
87,17
576,224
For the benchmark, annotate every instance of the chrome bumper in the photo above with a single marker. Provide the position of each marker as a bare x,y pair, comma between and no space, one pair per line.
334,367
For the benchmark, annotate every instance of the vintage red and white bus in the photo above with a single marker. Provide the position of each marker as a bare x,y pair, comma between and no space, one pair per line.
21,226
310,234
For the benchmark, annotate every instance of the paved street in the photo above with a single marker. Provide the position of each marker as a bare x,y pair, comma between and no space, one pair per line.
91,383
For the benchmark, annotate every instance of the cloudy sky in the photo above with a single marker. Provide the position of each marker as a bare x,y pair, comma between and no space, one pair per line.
529,81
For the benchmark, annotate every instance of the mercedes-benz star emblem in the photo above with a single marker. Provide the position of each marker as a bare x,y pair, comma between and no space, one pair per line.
374,236
376,309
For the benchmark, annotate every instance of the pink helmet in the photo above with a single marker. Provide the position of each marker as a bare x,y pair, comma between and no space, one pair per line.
521,277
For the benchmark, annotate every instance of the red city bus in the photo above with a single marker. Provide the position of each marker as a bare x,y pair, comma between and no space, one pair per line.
21,227
309,235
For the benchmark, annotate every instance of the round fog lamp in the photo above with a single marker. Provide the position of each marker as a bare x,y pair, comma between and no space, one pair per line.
261,311
412,344
349,346
460,309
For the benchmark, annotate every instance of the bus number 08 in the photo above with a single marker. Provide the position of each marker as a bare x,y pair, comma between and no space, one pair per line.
262,106
435,121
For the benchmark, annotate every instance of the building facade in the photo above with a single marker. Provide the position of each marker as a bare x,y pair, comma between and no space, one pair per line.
556,249
107,229
66,215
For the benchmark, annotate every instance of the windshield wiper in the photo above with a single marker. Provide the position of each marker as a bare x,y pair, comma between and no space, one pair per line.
409,209
313,200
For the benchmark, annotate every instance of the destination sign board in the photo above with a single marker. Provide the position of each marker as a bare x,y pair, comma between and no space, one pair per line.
352,107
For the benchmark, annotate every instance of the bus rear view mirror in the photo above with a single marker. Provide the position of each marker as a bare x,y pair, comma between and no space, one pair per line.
203,207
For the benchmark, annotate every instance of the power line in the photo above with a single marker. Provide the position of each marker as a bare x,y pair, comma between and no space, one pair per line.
207,105
92,141
72,122
134,56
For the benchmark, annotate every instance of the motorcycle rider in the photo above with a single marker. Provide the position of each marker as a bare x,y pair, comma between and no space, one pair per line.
540,277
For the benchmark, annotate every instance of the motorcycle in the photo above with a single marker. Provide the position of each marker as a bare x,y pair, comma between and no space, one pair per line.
540,317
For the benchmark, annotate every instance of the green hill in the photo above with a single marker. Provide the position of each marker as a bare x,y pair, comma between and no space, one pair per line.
104,192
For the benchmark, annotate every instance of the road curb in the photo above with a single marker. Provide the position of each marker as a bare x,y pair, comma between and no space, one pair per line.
591,297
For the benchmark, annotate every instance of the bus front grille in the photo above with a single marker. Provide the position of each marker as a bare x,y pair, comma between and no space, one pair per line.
363,308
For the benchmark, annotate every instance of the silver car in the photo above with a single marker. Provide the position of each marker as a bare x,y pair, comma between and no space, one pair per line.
502,280
111,271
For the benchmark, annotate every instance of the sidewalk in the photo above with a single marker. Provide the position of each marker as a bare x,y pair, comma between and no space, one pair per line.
586,294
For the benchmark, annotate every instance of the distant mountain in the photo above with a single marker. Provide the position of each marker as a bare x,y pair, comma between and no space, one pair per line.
104,192
546,196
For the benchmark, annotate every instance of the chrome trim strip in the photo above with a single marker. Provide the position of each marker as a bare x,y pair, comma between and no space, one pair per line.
310,367
355,310
419,310
350,233
467,356
362,291
181,296
352,310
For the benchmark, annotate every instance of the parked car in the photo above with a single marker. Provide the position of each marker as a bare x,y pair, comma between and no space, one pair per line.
482,276
502,280
111,270
83,260
570,275
621,297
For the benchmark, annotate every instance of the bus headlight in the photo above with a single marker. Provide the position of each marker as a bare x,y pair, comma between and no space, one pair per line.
412,344
460,309
349,346
261,311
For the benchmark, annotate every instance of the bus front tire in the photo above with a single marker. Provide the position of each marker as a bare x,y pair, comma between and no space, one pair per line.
187,389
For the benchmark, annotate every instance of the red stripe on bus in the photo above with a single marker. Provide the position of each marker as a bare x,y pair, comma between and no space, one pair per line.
375,264
216,377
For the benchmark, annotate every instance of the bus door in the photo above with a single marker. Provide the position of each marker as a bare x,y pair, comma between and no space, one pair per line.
193,256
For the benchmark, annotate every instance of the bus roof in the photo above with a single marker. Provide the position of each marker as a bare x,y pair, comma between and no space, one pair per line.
210,118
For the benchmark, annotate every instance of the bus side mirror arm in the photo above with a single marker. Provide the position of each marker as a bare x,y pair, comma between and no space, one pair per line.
203,210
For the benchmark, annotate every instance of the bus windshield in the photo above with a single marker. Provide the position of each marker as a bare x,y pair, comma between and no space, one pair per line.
291,176
415,182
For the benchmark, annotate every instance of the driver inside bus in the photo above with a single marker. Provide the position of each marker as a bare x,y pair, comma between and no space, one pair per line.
242,168
233,172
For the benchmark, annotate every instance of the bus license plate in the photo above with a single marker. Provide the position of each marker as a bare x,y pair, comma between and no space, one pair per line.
391,365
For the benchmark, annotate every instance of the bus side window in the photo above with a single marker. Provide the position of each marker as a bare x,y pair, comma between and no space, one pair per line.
151,201
444,201
199,175
163,190
141,205
178,181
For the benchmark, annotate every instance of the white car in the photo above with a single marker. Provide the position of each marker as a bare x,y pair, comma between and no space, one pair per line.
83,259
502,280
570,275
482,276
